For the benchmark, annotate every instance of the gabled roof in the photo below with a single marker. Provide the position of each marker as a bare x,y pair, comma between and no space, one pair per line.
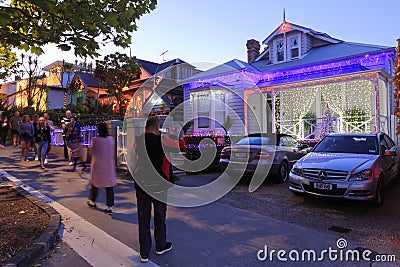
323,53
152,68
233,65
88,79
287,27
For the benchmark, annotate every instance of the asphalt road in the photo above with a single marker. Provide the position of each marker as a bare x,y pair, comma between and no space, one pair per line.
356,220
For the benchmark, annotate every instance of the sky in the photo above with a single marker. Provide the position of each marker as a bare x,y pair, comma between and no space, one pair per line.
216,31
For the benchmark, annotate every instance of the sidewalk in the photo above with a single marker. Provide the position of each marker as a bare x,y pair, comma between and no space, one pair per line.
212,235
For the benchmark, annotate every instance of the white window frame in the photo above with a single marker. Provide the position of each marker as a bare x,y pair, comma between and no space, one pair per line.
213,125
298,46
276,50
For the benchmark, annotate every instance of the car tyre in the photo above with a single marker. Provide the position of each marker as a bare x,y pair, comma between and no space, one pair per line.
379,193
283,172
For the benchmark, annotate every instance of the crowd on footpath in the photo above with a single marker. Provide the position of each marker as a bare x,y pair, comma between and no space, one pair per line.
34,134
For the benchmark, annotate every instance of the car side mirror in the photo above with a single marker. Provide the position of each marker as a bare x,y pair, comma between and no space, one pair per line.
390,153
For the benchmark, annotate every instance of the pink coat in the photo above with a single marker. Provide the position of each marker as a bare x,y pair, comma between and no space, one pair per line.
103,162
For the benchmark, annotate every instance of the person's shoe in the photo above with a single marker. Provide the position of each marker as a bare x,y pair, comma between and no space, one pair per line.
70,163
36,158
91,204
108,211
45,161
84,168
15,144
166,248
144,258
42,166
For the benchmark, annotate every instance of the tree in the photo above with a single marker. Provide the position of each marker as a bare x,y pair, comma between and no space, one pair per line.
29,90
83,24
8,61
115,72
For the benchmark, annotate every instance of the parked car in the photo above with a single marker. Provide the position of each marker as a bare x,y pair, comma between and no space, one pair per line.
353,166
260,154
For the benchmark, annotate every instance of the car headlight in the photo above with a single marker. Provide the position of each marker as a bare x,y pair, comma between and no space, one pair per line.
297,171
362,175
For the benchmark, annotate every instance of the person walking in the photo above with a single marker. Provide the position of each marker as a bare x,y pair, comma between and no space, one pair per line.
64,122
35,120
42,139
72,131
77,153
103,174
3,131
51,125
150,165
14,122
26,131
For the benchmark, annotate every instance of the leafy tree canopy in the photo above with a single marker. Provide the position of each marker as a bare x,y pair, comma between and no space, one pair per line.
80,24
115,72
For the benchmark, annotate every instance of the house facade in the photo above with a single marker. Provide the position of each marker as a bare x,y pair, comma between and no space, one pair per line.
303,82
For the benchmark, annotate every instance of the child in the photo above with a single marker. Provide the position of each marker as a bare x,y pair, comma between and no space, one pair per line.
77,152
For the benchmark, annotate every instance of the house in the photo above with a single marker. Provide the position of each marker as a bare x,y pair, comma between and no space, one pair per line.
303,82
158,86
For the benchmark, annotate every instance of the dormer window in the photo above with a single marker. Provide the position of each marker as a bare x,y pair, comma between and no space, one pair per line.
294,47
280,50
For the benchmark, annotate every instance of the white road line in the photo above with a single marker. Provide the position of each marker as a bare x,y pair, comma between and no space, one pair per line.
93,244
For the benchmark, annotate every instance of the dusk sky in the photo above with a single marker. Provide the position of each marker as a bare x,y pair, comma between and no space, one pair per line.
216,31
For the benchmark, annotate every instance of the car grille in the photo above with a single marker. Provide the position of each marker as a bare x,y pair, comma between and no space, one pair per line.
331,174
334,192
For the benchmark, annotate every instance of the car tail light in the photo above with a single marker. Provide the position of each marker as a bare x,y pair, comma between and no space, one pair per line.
224,155
262,154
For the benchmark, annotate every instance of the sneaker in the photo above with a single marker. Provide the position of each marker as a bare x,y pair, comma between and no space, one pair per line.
167,247
91,204
15,144
45,161
71,163
108,211
42,166
36,158
144,258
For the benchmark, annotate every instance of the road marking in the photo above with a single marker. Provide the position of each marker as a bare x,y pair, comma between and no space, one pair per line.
93,244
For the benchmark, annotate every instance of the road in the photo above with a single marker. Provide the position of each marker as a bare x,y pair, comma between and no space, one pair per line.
360,221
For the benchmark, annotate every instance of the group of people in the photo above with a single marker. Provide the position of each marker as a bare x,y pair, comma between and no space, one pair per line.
151,162
29,134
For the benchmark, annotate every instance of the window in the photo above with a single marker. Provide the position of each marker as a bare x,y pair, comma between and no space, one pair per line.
280,50
203,110
209,109
185,73
294,47
219,108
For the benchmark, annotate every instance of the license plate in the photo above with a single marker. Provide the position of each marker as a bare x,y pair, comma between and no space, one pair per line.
241,155
323,186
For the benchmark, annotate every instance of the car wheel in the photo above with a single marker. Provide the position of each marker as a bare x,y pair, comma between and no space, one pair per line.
283,172
379,193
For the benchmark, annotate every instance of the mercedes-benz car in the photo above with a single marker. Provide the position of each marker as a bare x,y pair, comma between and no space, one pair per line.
352,166
261,154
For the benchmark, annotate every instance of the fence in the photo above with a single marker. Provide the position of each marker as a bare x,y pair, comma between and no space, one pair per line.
87,133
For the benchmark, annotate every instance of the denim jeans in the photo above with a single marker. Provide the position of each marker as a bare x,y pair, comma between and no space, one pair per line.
42,150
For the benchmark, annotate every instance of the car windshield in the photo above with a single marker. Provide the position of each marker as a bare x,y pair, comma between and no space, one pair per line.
256,141
348,144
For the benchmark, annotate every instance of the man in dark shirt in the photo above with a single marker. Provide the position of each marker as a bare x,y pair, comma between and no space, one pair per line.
152,179
71,131
14,122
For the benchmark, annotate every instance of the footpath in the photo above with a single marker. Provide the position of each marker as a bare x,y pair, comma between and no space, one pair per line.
212,235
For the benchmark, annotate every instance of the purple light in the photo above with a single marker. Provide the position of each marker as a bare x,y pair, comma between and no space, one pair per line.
321,70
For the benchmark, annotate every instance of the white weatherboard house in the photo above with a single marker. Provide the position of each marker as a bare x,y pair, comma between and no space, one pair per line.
303,83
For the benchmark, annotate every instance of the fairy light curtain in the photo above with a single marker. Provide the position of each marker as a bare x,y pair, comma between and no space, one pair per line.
295,103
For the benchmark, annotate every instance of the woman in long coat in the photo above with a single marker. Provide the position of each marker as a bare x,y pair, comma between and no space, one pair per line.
103,173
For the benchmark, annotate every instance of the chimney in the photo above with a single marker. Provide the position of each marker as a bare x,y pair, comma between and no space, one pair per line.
253,50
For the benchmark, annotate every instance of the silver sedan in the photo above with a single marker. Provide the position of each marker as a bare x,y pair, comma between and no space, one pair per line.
353,166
